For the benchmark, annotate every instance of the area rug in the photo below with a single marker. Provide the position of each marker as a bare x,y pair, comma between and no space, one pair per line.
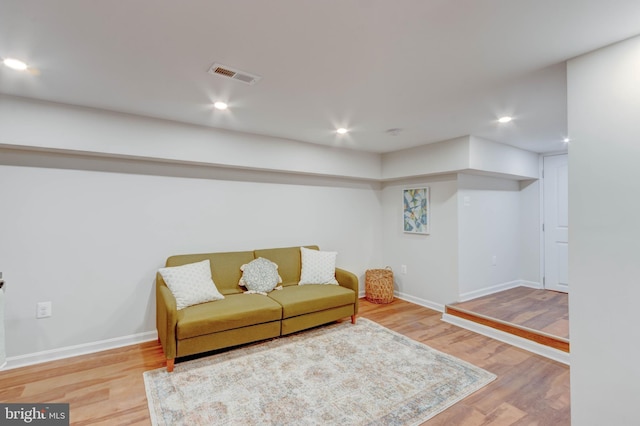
340,374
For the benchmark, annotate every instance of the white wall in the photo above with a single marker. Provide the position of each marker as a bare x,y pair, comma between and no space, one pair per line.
91,241
494,157
466,154
432,260
604,266
436,158
454,262
488,226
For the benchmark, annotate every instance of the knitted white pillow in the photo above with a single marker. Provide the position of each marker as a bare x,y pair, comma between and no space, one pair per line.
318,267
260,276
191,284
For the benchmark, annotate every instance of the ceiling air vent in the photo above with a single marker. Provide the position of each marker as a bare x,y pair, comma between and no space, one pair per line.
225,71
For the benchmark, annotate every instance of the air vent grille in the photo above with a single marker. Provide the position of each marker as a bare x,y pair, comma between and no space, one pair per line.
232,73
224,71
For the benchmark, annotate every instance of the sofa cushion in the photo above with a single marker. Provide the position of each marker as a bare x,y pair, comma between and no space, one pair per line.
318,267
225,267
191,284
298,300
234,311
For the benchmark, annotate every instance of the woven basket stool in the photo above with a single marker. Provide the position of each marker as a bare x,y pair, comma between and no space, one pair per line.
379,285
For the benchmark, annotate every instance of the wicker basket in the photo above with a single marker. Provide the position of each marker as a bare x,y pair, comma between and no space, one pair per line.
379,285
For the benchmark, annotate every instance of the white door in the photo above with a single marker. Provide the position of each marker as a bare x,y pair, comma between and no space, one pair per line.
556,222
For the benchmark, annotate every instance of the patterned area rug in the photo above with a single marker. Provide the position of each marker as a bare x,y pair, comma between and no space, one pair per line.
341,374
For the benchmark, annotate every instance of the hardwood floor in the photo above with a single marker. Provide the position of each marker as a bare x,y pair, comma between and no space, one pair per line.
107,387
102,388
542,310
529,390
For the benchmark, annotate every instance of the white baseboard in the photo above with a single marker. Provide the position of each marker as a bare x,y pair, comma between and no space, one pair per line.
496,288
418,301
71,351
519,342
531,284
422,302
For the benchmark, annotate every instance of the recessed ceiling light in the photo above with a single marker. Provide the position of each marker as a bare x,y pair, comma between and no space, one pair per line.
220,105
15,64
566,140
341,131
504,119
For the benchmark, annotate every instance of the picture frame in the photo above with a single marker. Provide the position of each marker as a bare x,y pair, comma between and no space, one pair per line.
416,210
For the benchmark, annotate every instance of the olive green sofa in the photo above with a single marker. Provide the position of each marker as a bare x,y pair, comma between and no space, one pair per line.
242,318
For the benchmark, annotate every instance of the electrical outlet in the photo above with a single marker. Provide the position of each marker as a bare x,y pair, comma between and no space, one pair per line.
494,260
43,310
403,269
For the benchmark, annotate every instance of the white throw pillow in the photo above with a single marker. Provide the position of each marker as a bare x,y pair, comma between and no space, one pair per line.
318,267
260,276
191,284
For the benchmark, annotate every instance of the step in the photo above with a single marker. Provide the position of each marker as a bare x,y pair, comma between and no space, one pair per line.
537,336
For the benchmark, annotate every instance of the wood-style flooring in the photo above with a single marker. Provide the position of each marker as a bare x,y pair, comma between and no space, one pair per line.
534,314
107,387
542,310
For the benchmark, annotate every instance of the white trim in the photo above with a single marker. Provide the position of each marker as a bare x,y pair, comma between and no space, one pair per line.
76,350
519,342
497,288
541,217
488,290
422,302
531,284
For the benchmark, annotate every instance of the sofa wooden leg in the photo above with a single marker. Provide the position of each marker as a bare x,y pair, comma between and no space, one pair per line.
170,365
353,319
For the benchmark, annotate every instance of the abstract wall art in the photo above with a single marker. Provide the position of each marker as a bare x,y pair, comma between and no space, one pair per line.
415,210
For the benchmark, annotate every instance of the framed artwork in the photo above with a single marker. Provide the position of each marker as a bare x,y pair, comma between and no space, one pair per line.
415,210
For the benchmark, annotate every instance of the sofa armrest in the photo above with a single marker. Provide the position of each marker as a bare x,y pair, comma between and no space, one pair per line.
349,280
166,318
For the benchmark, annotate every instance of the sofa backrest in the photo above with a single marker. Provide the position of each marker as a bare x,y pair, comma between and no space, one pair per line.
288,260
225,267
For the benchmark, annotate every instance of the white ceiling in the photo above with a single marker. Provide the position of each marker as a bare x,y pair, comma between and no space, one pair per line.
438,69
